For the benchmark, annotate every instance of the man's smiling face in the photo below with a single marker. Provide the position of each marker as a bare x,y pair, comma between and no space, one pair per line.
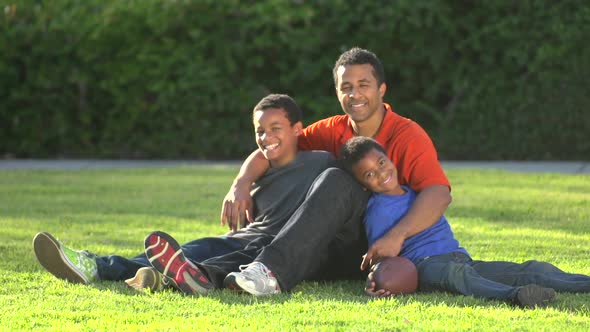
358,91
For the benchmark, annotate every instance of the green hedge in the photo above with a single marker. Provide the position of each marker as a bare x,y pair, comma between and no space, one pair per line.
178,79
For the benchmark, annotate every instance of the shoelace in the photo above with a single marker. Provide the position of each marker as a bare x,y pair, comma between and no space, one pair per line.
83,259
257,271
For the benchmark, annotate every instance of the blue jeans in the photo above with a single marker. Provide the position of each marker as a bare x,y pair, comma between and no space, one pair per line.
324,239
458,273
217,256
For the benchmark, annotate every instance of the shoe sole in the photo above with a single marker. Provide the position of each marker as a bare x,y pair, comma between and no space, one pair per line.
49,254
230,283
166,256
145,278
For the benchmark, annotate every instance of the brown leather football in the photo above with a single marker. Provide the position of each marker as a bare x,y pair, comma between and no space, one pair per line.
396,274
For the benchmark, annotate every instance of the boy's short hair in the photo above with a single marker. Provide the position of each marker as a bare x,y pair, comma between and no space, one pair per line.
359,56
288,104
355,149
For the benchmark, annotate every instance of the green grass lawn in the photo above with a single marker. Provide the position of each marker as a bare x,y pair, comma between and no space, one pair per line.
496,215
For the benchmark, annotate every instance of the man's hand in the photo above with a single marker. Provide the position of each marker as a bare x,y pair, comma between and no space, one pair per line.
370,288
387,246
236,209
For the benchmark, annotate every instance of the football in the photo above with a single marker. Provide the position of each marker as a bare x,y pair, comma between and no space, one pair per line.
395,274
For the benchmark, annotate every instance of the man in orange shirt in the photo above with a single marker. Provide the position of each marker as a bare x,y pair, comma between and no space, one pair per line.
324,238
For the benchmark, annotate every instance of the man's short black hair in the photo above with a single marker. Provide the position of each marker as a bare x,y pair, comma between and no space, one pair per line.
359,56
356,149
294,113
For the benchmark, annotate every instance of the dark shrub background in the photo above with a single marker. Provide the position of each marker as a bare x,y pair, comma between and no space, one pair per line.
178,79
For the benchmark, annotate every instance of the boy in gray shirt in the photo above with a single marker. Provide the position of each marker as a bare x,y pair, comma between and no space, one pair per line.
202,265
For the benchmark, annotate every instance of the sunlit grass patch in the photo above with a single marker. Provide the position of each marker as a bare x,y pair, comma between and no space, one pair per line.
496,215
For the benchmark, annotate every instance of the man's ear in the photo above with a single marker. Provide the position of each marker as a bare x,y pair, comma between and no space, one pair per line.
382,89
298,128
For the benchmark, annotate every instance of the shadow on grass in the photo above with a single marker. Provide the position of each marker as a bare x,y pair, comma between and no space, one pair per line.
352,292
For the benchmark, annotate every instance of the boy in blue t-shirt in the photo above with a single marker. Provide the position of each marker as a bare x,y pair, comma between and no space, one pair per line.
441,263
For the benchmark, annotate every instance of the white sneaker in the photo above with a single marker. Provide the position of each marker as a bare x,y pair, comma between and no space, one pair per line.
254,278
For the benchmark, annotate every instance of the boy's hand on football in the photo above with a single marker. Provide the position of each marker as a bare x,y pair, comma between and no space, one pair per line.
388,246
370,288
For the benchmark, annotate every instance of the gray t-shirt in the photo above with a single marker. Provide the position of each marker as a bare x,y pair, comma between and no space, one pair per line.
280,191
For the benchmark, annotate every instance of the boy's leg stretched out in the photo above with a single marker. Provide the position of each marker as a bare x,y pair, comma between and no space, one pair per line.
80,266
528,284
532,272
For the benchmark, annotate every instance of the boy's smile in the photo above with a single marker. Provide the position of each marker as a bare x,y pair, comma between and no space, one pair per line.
275,136
377,173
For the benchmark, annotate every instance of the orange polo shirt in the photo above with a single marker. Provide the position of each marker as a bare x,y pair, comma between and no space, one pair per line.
406,143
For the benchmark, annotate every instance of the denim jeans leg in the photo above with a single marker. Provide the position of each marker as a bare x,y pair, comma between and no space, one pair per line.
330,217
202,249
117,268
533,272
453,273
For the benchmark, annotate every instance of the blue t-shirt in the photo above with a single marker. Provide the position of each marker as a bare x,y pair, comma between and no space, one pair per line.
385,211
